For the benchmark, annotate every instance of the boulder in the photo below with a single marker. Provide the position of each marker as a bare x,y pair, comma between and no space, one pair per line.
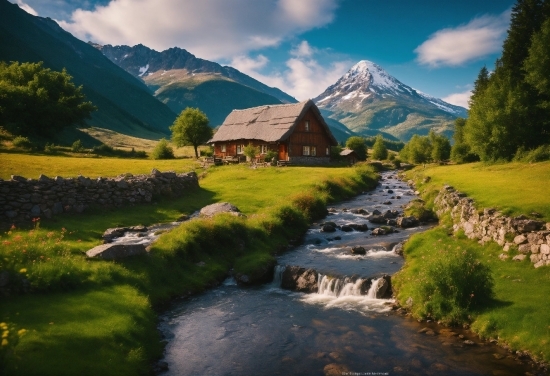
519,257
220,207
391,214
346,228
116,251
383,288
406,222
362,227
299,279
376,218
382,231
112,233
520,239
527,225
545,249
359,211
358,250
328,228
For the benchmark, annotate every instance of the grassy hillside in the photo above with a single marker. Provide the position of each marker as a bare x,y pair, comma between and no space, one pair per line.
216,96
517,315
94,318
125,104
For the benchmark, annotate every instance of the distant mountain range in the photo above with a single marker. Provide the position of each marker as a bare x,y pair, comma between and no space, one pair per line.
368,100
124,103
179,79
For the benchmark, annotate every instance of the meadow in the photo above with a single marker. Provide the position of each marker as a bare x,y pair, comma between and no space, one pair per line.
95,317
442,287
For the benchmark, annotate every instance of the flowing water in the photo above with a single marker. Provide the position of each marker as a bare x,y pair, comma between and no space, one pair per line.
341,329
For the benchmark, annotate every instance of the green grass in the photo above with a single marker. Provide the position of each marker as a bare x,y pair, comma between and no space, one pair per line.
513,188
31,166
102,313
517,315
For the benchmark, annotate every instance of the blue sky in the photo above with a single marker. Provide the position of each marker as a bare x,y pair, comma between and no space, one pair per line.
303,46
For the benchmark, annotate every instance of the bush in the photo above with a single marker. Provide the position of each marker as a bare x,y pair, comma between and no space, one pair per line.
448,286
271,156
77,146
22,142
50,148
103,150
540,154
206,153
163,150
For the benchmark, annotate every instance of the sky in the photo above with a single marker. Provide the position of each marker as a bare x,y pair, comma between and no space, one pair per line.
304,46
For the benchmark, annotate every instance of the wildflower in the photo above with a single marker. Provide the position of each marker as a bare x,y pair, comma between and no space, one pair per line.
4,342
5,334
20,332
23,270
12,227
3,325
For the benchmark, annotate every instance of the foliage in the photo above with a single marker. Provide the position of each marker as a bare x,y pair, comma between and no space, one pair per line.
509,109
417,150
208,152
271,156
335,153
379,152
22,142
104,149
77,146
163,150
461,151
251,151
440,145
357,144
542,153
39,102
390,144
191,129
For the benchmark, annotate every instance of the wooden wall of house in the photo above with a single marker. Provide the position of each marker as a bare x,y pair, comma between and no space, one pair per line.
316,136
231,146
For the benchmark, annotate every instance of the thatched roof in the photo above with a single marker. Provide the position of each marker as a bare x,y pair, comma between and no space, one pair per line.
267,123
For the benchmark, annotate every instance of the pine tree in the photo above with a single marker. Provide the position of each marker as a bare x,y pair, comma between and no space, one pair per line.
379,150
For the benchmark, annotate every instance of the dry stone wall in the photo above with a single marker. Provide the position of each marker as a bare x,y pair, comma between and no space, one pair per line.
530,237
23,199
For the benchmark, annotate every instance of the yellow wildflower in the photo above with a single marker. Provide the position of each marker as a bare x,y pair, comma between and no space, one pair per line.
3,325
4,342
20,332
24,270
5,334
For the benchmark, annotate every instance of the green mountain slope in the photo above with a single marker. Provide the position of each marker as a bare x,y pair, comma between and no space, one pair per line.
124,103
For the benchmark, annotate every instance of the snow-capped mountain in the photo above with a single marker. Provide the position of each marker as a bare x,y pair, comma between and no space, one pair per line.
368,99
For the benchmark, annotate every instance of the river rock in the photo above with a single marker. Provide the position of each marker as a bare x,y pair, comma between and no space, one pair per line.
358,250
407,222
111,233
328,228
376,218
299,279
346,228
359,211
220,207
384,289
116,251
359,227
379,231
520,239
263,274
389,214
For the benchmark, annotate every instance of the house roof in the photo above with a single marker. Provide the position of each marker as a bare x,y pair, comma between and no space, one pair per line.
267,123
347,152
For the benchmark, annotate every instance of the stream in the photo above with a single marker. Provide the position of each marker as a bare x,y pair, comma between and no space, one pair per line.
265,330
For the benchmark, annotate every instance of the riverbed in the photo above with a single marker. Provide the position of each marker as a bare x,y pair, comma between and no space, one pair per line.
265,330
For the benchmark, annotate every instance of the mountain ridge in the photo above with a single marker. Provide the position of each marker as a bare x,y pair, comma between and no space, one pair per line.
367,98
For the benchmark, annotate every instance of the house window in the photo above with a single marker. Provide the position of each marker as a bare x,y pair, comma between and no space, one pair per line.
240,149
314,151
306,150
327,151
307,126
222,148
263,149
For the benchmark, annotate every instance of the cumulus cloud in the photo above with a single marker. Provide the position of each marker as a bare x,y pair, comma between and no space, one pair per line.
211,29
480,37
27,8
459,99
304,76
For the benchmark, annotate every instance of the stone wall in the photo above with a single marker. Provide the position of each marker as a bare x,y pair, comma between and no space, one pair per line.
23,199
530,237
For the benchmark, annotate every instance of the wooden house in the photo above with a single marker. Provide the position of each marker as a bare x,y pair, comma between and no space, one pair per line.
297,132
350,156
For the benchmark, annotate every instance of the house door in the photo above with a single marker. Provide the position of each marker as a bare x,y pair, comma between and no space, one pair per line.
282,152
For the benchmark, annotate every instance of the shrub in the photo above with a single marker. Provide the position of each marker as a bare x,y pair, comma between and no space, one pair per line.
50,148
103,149
206,153
448,286
271,156
542,153
163,150
22,142
77,146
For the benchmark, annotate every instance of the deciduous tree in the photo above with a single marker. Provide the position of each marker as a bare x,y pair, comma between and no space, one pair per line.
191,129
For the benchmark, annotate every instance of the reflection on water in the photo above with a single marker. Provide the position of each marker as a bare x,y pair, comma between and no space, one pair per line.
269,331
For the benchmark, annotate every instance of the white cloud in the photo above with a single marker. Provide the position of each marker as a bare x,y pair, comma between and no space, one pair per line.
480,37
303,78
27,8
211,29
459,99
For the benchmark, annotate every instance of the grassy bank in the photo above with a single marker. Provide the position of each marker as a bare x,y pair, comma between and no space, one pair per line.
436,281
97,317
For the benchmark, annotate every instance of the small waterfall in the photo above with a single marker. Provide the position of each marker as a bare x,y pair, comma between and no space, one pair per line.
373,288
278,275
337,287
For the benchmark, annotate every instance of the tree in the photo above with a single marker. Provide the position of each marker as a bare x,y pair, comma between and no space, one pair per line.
461,151
191,129
357,144
36,101
379,150
441,147
537,64
251,151
417,150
